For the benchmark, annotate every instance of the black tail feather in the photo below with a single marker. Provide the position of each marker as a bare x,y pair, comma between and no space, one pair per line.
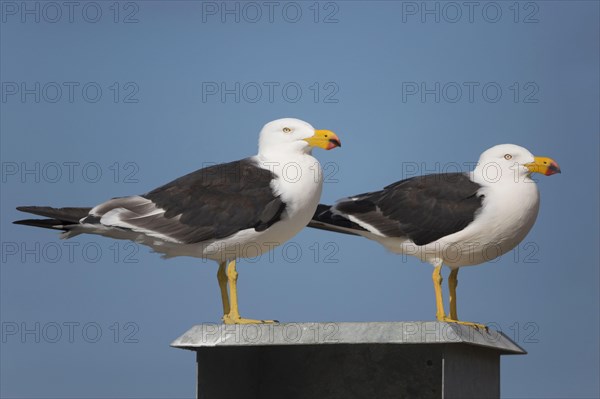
59,217
325,219
53,224
72,215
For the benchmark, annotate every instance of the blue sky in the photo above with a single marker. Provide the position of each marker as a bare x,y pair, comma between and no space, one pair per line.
101,101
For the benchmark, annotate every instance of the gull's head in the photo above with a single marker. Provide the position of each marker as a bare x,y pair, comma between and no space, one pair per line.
509,161
294,135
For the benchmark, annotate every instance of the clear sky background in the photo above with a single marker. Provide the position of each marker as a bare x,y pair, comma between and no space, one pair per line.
133,97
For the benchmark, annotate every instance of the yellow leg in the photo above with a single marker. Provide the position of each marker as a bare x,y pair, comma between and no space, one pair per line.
452,283
437,286
233,317
222,278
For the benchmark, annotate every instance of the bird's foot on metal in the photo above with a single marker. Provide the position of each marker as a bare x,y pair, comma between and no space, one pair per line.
464,323
227,319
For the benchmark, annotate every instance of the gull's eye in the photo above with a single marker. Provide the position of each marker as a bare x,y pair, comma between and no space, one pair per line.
508,157
287,130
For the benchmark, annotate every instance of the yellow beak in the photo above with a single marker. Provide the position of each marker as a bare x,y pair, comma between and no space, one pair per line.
325,139
543,165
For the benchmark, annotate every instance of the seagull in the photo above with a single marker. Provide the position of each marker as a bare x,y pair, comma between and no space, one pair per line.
456,219
223,212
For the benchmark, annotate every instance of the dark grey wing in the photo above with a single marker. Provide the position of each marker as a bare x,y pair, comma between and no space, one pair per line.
210,203
423,208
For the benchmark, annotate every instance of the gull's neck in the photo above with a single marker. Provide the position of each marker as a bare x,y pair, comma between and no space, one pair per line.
284,151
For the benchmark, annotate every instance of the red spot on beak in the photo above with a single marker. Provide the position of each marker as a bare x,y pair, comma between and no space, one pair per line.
334,143
552,169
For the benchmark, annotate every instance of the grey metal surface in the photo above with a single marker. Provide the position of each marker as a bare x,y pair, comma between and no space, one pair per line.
209,335
321,372
349,371
347,360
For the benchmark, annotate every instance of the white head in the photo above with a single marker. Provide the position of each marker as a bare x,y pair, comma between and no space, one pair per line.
509,162
293,135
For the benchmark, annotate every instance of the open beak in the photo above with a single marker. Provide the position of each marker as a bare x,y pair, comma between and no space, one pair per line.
543,165
325,139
